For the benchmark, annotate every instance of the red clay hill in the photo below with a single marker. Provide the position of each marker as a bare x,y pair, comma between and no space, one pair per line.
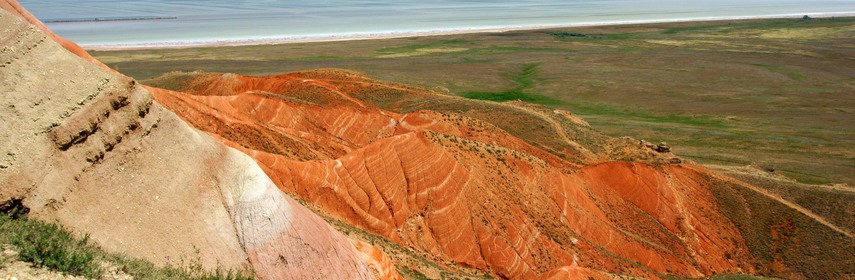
514,189
421,183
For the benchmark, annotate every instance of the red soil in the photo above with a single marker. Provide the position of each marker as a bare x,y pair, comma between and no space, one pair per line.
461,189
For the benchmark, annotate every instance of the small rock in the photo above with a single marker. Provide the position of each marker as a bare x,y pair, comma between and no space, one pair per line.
647,144
675,160
763,167
663,147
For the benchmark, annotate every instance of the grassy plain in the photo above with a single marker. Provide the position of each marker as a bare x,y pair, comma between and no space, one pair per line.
777,92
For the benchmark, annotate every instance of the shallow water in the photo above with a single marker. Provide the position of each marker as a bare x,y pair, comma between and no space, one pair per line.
236,20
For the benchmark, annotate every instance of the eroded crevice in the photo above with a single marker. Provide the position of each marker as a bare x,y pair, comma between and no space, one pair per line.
119,102
14,208
75,139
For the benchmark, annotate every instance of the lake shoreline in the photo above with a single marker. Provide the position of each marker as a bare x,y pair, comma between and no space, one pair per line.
393,35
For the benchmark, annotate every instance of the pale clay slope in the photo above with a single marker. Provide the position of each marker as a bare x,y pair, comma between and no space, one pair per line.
89,149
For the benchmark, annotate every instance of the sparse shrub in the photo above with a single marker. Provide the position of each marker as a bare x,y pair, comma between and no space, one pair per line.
51,246
568,34
410,273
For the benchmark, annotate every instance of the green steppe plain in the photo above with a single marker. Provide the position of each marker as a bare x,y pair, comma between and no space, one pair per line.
777,93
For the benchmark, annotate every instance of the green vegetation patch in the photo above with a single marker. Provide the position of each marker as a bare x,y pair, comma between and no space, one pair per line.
565,35
415,48
50,246
779,69
757,25
524,80
562,35
54,247
696,28
511,49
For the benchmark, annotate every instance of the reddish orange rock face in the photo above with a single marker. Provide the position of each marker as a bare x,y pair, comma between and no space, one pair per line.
458,188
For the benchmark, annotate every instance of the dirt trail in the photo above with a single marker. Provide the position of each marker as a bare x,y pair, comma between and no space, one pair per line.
780,199
557,127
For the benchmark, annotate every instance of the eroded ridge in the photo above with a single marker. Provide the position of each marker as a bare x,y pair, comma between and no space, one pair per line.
463,189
